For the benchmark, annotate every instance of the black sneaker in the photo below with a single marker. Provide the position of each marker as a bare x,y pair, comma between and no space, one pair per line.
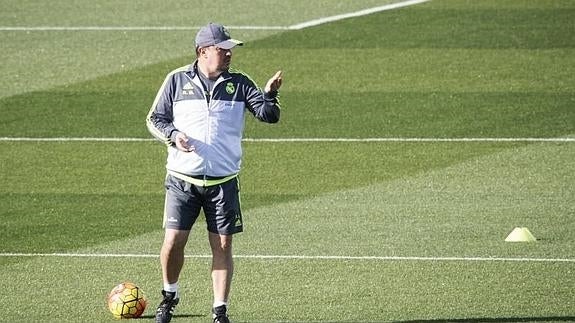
220,315
166,308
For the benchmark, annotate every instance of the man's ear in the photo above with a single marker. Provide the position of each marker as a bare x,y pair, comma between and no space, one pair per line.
200,51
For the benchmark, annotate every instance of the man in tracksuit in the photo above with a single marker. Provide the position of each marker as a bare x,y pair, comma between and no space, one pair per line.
199,113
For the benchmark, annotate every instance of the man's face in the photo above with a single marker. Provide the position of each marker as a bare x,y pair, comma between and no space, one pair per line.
218,59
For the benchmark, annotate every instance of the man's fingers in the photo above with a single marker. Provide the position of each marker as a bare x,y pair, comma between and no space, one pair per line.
278,75
182,143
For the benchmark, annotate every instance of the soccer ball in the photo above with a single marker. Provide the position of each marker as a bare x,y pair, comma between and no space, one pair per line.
127,301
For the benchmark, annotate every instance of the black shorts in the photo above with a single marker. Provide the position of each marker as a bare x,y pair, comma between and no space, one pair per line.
221,205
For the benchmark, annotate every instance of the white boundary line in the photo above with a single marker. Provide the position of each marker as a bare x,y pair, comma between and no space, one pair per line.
360,13
296,257
409,139
306,24
83,139
280,140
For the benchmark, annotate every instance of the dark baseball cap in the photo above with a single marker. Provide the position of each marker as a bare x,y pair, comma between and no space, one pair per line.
215,35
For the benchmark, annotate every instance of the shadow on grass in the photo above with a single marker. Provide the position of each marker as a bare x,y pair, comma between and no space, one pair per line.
147,317
497,319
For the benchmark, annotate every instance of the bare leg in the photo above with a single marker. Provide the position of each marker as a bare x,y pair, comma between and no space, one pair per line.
172,254
222,265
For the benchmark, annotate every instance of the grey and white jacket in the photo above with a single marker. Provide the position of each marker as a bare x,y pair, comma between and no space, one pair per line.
214,121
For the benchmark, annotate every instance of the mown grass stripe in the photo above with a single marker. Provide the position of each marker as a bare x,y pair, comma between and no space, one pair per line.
130,28
298,26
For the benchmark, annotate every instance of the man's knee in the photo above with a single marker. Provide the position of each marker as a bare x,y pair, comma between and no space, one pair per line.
225,247
221,243
175,239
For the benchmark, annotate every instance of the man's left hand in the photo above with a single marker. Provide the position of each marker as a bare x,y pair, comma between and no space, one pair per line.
274,83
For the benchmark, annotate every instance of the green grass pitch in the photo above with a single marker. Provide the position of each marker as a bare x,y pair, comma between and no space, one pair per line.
335,231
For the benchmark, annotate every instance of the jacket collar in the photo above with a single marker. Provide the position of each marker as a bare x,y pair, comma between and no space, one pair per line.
193,70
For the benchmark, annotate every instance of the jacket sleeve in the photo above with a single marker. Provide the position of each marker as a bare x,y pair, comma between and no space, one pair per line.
161,116
264,106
